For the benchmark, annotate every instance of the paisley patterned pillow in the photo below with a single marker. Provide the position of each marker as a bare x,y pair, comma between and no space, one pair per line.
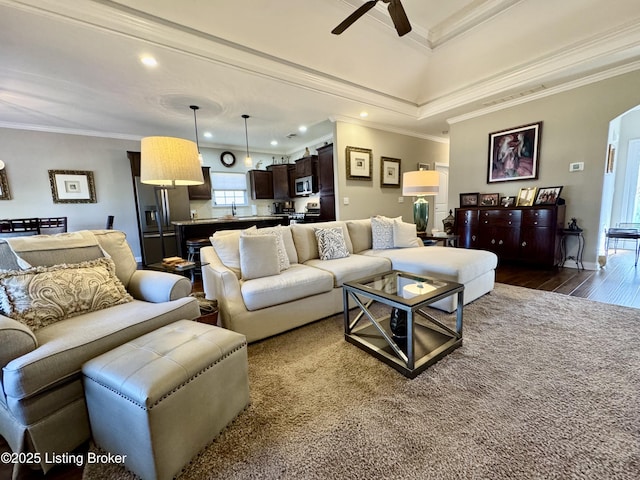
40,296
331,243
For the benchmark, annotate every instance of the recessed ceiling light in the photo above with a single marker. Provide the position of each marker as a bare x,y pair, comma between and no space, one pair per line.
302,128
149,61
274,142
207,134
364,114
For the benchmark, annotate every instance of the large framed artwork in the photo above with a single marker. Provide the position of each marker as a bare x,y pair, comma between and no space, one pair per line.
72,186
513,154
4,185
389,172
359,163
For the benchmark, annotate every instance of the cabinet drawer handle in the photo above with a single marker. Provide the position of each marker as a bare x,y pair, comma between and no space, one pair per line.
473,237
500,242
486,221
524,244
535,223
509,222
493,241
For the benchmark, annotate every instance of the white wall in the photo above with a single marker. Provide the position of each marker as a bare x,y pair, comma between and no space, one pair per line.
29,155
575,129
367,198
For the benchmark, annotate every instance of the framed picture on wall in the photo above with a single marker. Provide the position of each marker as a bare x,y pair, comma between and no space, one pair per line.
4,184
72,186
513,153
359,163
389,172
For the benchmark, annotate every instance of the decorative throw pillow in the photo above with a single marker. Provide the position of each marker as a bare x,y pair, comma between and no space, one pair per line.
40,296
331,243
283,258
405,234
382,232
259,256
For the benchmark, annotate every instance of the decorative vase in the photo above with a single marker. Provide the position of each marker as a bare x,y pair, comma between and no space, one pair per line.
421,213
398,323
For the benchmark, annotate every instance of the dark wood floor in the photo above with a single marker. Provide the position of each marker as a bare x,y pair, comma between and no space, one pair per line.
618,283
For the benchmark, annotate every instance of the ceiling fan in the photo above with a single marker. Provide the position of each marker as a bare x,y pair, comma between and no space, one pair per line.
396,11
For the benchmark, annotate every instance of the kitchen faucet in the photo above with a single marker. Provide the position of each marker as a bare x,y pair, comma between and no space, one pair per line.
233,208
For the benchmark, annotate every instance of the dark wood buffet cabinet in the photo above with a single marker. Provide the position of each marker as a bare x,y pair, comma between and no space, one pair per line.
525,234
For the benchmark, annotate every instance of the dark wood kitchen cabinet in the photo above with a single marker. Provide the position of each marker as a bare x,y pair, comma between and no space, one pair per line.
525,234
261,184
307,166
280,178
201,192
325,170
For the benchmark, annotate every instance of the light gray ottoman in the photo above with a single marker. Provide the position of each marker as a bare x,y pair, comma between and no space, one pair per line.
162,397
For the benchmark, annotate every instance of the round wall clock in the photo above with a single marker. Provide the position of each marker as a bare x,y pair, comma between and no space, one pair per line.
227,159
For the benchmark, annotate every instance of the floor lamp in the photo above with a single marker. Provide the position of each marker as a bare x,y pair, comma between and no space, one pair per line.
419,184
168,162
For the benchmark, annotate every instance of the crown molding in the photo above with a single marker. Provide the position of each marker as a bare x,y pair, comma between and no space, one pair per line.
581,82
387,128
69,131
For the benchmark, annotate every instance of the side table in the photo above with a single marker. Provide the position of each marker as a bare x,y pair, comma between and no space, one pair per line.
580,247
447,240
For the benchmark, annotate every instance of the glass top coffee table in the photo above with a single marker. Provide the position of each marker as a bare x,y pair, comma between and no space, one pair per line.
407,337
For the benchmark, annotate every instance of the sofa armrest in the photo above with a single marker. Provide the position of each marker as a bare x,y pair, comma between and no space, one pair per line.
16,339
157,287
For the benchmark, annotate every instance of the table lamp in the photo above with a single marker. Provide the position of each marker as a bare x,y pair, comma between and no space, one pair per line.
167,162
419,184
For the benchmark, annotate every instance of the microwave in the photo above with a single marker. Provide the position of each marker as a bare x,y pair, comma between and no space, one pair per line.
304,185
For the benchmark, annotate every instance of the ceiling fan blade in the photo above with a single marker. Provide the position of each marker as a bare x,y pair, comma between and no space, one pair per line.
364,8
399,17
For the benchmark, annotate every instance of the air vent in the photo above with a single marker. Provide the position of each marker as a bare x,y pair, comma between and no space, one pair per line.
291,135
514,96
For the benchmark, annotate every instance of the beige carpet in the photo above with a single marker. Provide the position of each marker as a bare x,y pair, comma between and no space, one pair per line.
545,386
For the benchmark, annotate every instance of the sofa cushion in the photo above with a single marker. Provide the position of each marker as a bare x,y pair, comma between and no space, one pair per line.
382,232
281,252
114,243
405,235
455,264
305,239
64,346
48,250
360,233
259,256
351,268
297,282
227,246
331,244
41,296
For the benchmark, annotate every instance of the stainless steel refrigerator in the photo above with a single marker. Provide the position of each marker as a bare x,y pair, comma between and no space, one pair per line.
174,205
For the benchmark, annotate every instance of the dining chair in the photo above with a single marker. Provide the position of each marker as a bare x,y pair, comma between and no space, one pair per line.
109,225
53,225
17,227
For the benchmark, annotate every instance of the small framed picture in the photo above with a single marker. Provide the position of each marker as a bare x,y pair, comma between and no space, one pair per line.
469,199
389,172
508,201
547,196
359,163
424,166
488,199
72,186
526,197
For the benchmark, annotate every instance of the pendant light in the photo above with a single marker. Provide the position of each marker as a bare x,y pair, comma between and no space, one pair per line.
248,162
195,121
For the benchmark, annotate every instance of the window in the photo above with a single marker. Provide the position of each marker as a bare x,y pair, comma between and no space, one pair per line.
229,188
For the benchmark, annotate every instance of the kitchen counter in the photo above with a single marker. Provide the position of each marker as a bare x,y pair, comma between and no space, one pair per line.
205,227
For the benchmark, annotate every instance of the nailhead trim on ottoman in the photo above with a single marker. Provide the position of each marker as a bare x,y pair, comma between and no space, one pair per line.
161,398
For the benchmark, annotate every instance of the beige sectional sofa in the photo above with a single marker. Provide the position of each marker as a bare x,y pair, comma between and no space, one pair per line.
42,403
311,288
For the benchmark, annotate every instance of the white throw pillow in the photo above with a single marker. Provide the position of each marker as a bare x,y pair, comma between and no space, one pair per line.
331,243
405,234
282,255
382,232
259,256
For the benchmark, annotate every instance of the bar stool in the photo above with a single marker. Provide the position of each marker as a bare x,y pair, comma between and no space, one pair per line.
193,252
